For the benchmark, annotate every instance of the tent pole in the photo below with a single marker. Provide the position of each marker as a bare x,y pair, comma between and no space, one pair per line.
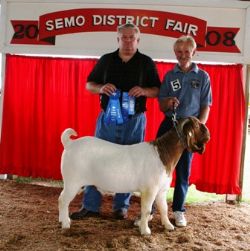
245,132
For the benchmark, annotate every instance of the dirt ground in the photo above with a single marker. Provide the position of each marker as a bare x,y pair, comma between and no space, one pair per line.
29,221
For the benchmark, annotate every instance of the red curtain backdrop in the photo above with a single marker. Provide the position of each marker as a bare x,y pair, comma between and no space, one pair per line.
43,96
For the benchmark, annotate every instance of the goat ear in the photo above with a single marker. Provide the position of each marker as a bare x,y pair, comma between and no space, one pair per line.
188,132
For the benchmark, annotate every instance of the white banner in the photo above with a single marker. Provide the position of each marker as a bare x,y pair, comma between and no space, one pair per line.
89,29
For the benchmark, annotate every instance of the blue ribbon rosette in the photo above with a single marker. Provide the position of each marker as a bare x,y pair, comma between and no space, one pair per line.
113,113
128,105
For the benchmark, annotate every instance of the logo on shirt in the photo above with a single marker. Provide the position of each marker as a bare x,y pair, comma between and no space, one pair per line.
176,85
195,83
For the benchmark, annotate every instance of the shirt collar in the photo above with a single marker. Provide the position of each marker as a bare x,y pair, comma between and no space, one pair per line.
135,55
194,68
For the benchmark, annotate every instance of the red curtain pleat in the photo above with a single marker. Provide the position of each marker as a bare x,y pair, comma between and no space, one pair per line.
219,168
45,95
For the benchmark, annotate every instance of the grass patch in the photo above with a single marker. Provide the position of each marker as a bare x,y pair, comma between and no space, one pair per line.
39,181
195,196
22,180
246,200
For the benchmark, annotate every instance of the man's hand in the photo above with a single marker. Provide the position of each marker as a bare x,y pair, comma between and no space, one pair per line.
167,104
137,91
108,89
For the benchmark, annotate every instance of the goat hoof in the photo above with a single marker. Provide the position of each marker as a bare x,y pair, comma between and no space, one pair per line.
66,225
169,227
150,217
146,231
137,222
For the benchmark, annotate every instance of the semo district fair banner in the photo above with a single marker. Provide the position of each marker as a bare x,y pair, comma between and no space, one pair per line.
89,29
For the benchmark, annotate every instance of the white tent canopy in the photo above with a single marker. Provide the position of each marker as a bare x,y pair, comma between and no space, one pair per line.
77,27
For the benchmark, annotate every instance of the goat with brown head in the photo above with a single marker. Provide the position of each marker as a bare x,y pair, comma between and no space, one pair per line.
109,167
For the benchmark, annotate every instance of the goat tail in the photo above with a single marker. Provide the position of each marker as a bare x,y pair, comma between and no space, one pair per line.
65,137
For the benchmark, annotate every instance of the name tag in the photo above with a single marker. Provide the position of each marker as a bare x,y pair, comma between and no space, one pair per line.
176,85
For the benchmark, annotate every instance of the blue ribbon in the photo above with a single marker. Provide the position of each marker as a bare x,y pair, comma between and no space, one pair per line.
113,113
128,105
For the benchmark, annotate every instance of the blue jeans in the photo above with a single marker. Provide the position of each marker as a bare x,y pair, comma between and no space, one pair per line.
182,170
131,132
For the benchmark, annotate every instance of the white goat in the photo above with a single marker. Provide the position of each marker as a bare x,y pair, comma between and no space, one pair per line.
144,167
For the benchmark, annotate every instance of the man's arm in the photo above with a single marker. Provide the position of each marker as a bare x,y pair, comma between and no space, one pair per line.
95,88
204,114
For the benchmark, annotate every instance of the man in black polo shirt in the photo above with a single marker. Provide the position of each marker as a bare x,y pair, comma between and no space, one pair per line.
124,79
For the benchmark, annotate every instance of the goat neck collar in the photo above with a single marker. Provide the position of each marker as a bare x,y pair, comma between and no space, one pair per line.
180,134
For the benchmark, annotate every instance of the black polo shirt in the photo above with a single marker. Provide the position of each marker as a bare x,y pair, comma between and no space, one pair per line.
140,70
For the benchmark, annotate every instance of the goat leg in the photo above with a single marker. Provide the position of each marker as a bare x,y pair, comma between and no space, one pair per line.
147,199
161,202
